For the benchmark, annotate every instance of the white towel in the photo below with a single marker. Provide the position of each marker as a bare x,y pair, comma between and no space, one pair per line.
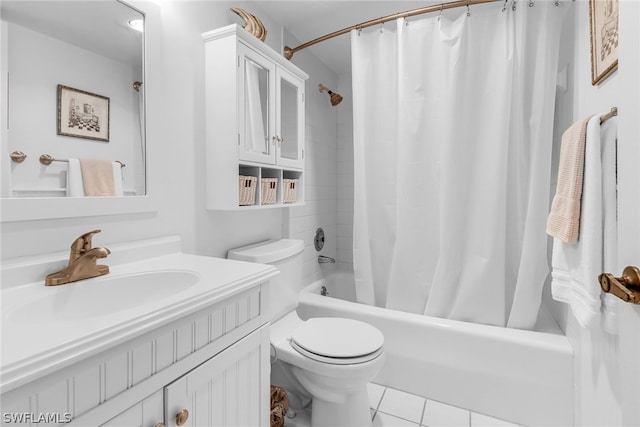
75,186
74,179
608,138
575,268
118,187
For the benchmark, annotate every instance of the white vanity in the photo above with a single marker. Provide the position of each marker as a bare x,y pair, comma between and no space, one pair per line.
165,338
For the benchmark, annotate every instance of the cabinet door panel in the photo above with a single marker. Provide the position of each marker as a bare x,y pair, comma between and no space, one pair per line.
290,122
256,107
230,389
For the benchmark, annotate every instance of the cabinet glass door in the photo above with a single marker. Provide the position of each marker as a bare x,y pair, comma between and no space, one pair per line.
290,121
256,109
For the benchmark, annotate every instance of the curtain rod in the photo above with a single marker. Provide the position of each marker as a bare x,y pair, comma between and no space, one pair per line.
288,51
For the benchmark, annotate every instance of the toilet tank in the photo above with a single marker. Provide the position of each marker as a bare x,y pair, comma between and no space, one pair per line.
286,256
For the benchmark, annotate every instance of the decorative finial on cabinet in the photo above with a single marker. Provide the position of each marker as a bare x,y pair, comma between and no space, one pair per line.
251,23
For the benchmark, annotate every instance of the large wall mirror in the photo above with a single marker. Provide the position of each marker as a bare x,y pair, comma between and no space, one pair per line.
73,80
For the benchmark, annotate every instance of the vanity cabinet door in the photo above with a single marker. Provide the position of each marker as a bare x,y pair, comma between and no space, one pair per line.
230,389
148,413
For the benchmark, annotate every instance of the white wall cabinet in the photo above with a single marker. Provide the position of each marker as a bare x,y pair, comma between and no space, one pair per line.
254,120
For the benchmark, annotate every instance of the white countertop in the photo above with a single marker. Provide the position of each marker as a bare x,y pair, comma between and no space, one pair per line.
34,346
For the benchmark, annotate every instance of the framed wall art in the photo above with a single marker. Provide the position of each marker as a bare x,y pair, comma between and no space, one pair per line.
82,114
603,15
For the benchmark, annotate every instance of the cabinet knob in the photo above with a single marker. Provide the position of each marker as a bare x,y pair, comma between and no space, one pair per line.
182,417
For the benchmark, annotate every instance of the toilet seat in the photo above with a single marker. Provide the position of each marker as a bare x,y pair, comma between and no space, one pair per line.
337,341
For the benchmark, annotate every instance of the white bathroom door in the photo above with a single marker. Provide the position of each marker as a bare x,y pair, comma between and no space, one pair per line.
629,208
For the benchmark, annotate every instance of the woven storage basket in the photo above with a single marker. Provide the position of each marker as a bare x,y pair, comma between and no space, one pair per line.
290,190
247,188
269,190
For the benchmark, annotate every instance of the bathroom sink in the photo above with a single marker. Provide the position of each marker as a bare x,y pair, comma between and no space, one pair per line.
104,295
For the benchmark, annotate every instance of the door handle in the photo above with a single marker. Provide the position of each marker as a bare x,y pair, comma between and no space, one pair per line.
626,287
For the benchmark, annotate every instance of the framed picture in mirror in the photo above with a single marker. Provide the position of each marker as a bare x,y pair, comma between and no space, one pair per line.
603,15
82,114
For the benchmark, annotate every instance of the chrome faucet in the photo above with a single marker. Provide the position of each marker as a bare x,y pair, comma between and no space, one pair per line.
82,262
325,259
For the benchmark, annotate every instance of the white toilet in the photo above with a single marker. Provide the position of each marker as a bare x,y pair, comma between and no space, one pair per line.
330,360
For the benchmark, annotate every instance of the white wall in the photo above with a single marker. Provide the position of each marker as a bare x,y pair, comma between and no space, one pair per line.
178,157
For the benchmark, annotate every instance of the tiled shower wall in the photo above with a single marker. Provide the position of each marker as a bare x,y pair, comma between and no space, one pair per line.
345,174
320,184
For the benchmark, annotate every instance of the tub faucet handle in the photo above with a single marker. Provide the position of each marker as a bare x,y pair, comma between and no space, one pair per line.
326,260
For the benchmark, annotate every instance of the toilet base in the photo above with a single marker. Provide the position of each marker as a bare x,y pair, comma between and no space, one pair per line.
352,412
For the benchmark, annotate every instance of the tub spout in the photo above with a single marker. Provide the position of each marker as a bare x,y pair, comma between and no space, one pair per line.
325,259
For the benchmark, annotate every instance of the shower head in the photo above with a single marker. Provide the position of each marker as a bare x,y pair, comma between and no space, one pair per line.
335,98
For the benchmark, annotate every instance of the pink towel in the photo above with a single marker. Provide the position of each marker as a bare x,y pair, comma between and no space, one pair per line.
563,222
97,177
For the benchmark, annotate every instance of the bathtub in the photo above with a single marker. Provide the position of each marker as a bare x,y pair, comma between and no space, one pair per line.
524,377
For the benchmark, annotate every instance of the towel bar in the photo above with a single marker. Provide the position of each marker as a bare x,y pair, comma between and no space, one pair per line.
47,159
612,113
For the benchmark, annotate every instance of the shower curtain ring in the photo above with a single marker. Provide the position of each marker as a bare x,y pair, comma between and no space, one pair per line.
513,5
382,27
504,6
530,3
440,16
468,10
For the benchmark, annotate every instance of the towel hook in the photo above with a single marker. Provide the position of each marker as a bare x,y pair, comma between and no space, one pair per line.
18,156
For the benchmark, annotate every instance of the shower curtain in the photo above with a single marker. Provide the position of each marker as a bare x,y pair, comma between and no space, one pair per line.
453,124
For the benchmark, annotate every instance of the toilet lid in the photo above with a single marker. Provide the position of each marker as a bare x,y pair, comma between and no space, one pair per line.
338,338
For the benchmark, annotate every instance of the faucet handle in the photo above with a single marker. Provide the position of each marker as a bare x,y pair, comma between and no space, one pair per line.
81,245
84,242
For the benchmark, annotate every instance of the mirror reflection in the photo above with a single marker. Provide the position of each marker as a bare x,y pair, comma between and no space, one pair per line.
74,90
256,107
289,122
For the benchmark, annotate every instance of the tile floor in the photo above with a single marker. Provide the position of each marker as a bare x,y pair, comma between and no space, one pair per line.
394,408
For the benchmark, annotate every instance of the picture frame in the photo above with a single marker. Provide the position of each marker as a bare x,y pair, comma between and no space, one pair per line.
83,114
603,16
